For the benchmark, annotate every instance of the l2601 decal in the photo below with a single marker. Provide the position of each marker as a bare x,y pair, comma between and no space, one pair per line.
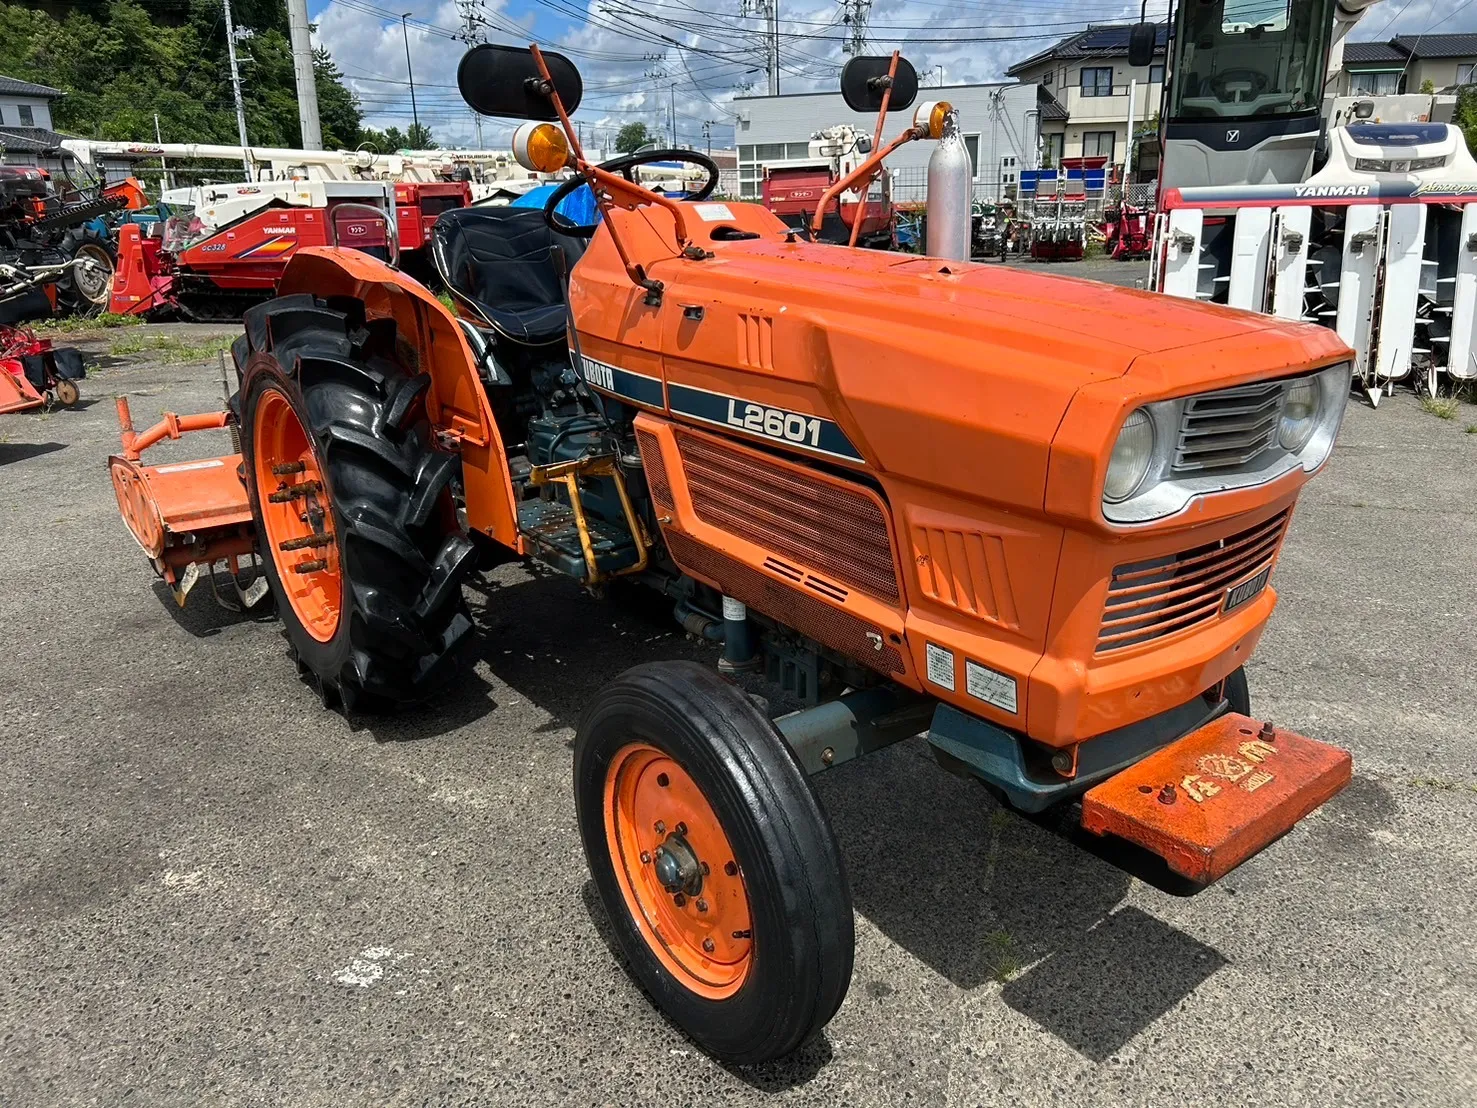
733,413
808,432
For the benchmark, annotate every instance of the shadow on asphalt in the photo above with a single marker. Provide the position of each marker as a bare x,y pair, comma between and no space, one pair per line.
770,1077
20,451
978,892
204,617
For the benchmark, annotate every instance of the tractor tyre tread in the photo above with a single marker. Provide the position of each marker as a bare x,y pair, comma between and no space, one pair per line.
400,550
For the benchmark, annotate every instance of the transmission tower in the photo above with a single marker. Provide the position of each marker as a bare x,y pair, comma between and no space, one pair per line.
473,20
855,18
769,11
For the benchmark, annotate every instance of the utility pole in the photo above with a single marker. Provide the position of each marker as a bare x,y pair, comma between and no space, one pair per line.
708,133
302,67
159,138
769,11
472,36
410,69
236,89
855,17
672,105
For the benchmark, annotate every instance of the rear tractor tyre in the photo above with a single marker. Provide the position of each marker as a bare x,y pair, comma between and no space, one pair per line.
714,860
88,285
352,503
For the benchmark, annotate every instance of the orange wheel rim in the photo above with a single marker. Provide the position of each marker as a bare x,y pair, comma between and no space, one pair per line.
677,872
296,516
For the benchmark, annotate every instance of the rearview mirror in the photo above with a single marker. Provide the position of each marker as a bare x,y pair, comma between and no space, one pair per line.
1142,40
505,81
864,80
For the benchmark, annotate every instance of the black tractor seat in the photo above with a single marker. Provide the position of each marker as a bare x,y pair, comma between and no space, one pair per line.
510,266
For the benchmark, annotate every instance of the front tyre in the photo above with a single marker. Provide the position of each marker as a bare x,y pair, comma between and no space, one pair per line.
714,861
352,503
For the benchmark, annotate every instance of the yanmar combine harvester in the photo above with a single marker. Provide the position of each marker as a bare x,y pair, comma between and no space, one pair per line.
222,248
1035,518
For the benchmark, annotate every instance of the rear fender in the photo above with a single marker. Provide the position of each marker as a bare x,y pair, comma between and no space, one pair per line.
455,402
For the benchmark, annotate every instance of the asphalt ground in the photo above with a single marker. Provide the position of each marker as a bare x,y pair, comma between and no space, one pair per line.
214,892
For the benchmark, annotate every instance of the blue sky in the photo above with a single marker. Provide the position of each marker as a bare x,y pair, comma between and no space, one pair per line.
637,56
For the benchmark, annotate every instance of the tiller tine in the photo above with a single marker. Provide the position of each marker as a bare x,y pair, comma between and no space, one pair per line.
185,515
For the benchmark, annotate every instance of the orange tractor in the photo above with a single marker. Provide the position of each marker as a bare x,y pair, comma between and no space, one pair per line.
1033,517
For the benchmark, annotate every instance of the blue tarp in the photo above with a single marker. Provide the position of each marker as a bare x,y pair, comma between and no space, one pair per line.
578,207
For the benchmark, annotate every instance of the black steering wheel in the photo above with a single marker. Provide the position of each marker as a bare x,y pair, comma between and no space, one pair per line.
626,166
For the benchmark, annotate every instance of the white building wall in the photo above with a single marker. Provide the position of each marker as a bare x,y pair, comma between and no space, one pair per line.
999,123
11,114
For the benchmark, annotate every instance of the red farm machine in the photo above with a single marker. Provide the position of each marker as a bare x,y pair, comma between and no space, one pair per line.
220,248
792,189
917,494
59,231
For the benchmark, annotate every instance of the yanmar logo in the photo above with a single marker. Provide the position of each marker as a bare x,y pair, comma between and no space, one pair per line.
1301,191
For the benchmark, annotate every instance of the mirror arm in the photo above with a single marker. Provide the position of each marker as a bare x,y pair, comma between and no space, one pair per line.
863,171
611,185
861,210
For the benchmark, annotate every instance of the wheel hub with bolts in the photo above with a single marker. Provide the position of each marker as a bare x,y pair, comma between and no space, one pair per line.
678,871
677,866
295,516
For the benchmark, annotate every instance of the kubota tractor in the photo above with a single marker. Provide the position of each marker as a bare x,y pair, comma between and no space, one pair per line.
1034,517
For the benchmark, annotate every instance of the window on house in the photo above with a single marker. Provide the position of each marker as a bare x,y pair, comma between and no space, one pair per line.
769,151
1051,152
1097,80
1046,78
28,118
1097,144
1374,84
1466,74
972,144
1156,74
2,116
746,153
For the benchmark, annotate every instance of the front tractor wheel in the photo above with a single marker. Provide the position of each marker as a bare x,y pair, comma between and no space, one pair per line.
714,861
352,503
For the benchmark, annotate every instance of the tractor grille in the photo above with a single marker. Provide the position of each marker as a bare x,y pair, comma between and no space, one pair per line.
785,603
1227,429
835,528
656,470
1164,596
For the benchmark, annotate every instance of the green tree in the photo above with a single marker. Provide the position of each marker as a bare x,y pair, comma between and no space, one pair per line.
1428,87
632,137
121,62
1465,115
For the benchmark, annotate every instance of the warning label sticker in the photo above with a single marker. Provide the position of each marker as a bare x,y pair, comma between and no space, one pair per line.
712,213
940,666
991,686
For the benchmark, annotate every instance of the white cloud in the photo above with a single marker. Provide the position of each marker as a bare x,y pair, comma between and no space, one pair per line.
634,67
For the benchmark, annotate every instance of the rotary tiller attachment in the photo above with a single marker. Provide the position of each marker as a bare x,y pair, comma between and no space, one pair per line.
187,515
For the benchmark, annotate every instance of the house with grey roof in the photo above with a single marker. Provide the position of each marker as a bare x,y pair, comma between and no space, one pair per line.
1089,92
1406,62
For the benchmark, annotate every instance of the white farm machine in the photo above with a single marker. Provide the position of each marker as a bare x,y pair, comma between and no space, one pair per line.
1380,245
1359,214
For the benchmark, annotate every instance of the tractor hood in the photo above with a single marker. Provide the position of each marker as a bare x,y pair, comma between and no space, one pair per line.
949,374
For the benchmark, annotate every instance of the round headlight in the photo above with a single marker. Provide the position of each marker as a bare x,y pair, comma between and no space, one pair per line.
1301,408
1132,454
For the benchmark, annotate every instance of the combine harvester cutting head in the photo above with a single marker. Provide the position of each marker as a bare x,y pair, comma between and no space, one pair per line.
1022,513
1380,246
